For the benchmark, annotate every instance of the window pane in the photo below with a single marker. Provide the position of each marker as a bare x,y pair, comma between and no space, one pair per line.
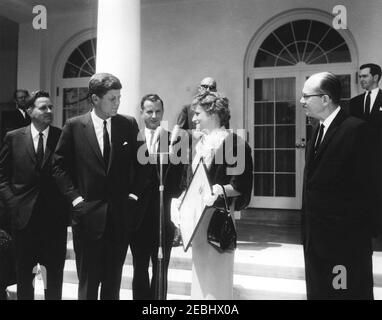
264,113
285,34
285,89
285,136
285,185
263,185
345,85
264,137
264,90
301,28
341,54
285,113
264,160
272,45
264,60
285,161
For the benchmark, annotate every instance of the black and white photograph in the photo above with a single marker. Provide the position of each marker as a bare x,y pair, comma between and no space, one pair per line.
108,108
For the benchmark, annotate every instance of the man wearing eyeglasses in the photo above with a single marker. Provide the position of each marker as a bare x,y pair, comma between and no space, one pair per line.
185,117
337,197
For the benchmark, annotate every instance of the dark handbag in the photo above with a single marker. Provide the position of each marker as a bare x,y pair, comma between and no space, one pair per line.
221,232
5,240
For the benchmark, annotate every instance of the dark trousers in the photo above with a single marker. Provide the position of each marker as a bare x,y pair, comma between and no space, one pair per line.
319,278
7,256
143,247
40,242
99,262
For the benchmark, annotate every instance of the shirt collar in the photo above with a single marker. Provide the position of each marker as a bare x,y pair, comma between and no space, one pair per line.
374,91
331,117
97,121
148,131
35,132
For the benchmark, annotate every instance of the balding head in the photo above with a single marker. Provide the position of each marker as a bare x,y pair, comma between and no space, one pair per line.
321,95
207,84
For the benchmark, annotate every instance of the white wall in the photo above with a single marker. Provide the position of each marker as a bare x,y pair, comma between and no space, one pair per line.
184,41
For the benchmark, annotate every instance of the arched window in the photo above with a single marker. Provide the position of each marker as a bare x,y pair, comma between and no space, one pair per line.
308,41
79,67
81,62
281,56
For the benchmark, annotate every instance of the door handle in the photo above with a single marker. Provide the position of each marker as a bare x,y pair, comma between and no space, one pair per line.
300,145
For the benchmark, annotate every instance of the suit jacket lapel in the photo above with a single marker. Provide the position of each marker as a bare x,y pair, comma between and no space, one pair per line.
340,117
29,143
91,136
50,146
310,147
377,103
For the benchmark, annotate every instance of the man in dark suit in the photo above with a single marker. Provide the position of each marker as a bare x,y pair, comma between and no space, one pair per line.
146,239
337,197
10,120
17,118
38,210
368,106
94,166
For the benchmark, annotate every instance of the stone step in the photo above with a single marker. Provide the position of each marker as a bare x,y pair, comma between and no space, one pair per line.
245,287
275,260
179,286
69,292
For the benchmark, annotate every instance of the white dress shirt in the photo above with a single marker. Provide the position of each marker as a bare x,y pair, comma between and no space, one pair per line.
373,96
151,144
98,127
328,121
36,135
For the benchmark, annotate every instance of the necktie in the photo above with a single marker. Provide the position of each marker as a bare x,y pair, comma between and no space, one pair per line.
151,142
106,144
367,104
319,138
40,150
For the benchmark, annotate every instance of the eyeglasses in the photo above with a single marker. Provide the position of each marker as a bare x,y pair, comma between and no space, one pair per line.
207,87
306,96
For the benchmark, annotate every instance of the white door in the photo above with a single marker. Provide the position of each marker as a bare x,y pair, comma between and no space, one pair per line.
278,133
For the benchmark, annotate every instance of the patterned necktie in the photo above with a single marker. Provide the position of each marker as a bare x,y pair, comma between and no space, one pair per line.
40,150
106,144
367,105
319,138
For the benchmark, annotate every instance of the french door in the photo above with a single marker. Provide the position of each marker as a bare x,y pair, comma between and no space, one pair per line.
278,134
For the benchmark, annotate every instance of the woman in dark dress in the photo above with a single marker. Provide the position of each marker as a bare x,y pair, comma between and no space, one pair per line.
229,163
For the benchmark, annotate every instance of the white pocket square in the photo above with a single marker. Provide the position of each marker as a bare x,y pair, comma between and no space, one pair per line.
125,143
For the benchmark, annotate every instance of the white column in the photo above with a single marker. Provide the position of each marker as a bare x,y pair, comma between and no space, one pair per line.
118,48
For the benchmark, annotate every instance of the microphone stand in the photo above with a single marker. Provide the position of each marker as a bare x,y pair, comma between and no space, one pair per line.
160,286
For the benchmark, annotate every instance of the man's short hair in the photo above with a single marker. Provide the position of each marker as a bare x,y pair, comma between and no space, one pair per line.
101,83
331,85
374,69
153,98
20,90
34,96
